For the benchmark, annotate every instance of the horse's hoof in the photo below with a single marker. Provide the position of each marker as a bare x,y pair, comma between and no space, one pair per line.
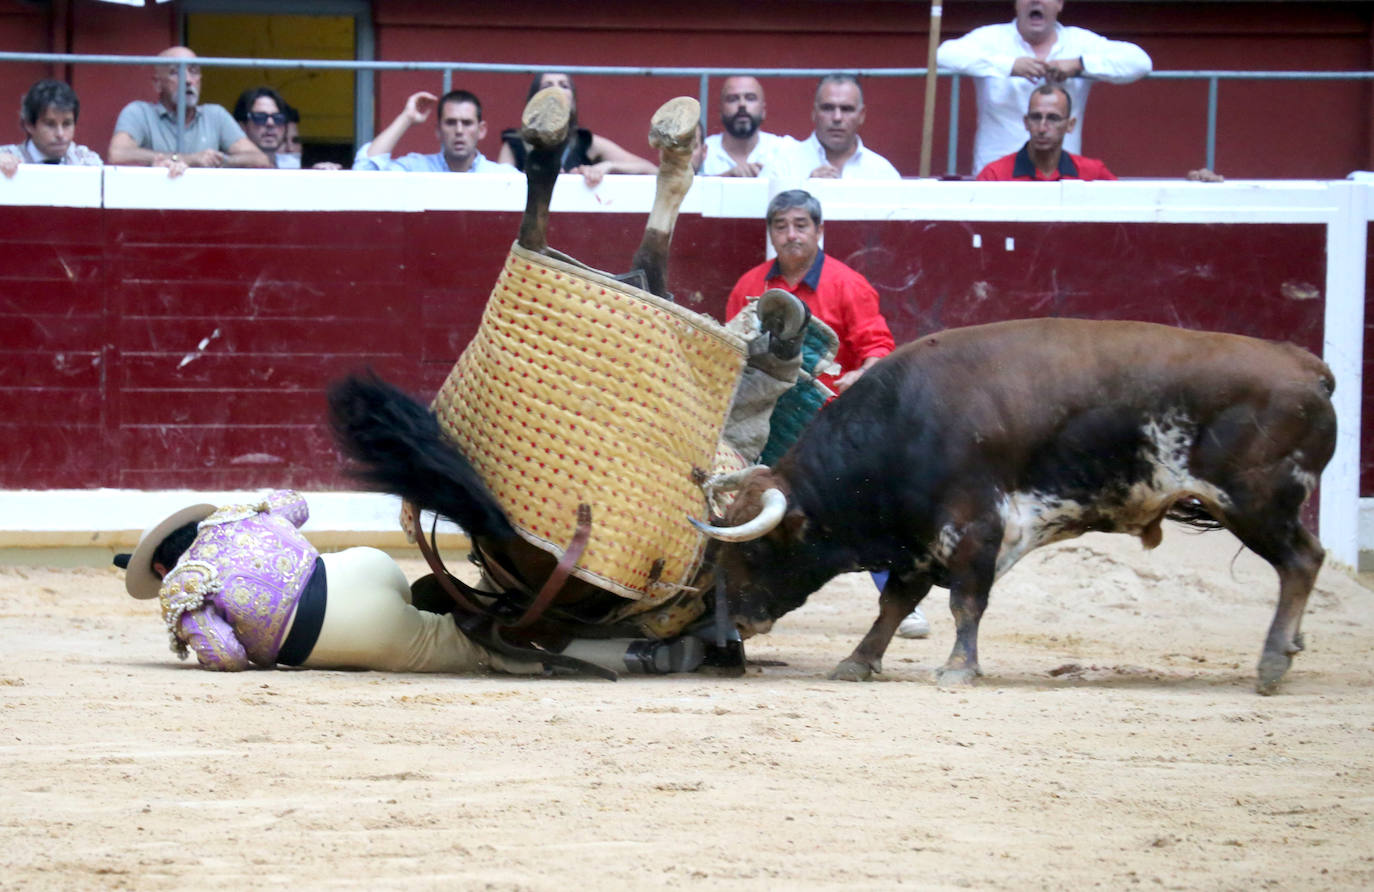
1272,667
852,670
674,126
955,678
784,317
544,123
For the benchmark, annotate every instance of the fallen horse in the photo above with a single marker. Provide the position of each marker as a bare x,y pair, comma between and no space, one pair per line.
572,437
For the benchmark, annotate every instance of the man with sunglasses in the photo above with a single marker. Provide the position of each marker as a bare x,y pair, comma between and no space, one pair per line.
146,132
261,112
1048,119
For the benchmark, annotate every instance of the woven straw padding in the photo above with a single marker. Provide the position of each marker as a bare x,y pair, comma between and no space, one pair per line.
581,389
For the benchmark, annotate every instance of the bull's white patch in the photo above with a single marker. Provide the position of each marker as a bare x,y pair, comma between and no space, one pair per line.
1032,519
1035,518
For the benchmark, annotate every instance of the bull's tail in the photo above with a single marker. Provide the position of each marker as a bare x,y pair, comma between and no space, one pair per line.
400,449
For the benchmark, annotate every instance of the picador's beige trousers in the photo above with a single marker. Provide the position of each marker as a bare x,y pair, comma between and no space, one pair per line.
369,623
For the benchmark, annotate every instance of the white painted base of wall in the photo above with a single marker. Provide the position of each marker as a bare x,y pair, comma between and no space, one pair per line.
1366,535
115,518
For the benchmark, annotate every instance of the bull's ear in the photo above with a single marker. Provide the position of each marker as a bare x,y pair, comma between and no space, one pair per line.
794,525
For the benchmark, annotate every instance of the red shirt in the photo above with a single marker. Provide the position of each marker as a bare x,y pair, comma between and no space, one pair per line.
1018,166
838,296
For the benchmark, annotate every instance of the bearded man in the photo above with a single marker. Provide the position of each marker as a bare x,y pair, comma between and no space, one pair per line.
742,149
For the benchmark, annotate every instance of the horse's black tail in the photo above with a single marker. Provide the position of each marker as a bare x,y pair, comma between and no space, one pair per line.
400,449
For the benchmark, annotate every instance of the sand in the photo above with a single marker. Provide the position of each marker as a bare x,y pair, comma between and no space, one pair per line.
1115,742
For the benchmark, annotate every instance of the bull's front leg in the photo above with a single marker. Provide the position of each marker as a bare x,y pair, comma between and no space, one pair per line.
544,126
898,598
673,131
972,568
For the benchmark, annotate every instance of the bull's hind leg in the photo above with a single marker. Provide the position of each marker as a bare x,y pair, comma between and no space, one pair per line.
898,598
1266,520
1297,557
673,132
544,126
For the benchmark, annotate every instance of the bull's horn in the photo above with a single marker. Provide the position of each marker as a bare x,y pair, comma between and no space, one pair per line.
769,516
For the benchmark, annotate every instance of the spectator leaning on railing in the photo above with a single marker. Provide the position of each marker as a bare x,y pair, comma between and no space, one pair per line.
1048,119
458,125
48,115
587,153
146,132
267,120
1008,61
834,149
742,149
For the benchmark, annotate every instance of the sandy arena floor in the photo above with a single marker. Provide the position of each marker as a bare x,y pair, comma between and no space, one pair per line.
1116,742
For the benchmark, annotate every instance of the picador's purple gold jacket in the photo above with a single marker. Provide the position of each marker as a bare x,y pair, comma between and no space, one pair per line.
231,596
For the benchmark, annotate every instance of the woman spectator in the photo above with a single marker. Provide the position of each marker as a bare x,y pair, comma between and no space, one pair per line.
591,155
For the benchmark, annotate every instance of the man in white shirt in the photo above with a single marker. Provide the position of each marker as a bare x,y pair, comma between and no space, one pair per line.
1010,60
834,150
742,149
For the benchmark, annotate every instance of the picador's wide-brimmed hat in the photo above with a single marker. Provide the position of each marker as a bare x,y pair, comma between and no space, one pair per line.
139,578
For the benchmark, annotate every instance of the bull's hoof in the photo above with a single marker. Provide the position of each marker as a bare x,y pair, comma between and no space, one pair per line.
544,123
1272,667
852,670
946,677
674,126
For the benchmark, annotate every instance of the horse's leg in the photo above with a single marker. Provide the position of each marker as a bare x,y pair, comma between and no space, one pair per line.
544,128
673,132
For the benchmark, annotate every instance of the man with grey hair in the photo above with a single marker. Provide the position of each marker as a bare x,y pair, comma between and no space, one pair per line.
834,149
146,132
835,293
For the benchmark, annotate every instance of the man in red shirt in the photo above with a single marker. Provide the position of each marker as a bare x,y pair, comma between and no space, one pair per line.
1048,120
836,294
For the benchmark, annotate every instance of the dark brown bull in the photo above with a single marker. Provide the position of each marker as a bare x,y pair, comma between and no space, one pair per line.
961,452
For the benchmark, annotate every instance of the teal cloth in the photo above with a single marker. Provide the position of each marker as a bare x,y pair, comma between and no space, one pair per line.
796,407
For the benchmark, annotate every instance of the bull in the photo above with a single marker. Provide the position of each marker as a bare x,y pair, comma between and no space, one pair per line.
961,452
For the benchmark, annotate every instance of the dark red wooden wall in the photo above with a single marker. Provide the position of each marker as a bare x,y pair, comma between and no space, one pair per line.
163,349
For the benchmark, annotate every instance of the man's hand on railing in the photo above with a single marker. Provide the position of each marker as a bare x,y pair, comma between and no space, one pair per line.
175,164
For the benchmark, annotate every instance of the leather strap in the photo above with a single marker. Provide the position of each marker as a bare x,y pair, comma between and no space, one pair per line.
554,584
441,574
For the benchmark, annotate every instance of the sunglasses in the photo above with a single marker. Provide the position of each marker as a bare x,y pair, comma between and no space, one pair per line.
261,118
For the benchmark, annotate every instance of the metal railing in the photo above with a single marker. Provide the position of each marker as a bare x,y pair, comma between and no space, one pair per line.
1213,79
